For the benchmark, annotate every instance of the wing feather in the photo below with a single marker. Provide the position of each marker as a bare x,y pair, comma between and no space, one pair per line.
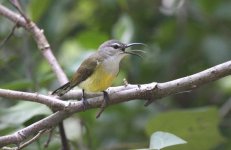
86,69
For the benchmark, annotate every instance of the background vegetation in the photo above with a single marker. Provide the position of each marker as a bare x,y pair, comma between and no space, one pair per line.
184,37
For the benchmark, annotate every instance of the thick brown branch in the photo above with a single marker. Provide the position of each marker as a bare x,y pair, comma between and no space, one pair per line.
122,94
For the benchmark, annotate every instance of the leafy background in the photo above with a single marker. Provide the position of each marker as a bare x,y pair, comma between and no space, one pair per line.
184,37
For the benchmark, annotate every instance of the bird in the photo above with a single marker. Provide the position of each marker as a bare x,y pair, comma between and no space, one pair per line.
97,72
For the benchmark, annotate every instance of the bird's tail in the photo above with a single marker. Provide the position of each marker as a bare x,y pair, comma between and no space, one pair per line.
63,89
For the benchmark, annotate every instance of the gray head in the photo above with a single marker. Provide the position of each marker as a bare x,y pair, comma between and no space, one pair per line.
115,47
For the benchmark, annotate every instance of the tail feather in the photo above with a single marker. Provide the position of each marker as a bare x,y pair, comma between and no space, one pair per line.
63,89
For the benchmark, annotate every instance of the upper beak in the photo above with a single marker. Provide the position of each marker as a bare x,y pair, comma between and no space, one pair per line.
134,44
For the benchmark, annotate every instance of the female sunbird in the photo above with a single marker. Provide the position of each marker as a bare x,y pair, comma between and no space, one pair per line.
97,72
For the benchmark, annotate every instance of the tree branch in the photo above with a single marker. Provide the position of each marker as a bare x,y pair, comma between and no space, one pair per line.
117,94
50,101
39,38
27,142
122,94
42,44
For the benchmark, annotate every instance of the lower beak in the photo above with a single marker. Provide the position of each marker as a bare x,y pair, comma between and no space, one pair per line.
133,44
133,54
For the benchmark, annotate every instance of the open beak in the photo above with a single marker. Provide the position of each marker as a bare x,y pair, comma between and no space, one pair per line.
134,44
131,52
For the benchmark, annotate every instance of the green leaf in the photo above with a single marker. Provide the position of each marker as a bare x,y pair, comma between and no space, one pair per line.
22,112
161,140
199,127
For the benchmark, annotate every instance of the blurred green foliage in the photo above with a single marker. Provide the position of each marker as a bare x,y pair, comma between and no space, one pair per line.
183,38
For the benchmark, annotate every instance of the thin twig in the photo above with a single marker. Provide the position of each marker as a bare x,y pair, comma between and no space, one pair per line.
18,6
100,112
27,142
8,36
32,139
49,138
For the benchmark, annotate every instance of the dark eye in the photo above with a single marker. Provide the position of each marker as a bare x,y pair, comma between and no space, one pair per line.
115,46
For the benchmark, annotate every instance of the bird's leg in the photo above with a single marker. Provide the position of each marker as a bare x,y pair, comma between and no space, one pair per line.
104,104
85,103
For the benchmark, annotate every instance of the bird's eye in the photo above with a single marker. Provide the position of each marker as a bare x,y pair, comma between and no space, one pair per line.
116,46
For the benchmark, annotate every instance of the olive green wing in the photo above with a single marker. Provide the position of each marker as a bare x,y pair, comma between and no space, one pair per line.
85,70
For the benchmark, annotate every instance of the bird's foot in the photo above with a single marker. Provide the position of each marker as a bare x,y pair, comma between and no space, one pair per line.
85,103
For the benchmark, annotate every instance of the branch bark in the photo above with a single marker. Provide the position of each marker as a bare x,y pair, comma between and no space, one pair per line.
39,38
50,101
120,94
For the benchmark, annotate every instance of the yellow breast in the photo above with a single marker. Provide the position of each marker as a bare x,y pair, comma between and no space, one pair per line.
99,81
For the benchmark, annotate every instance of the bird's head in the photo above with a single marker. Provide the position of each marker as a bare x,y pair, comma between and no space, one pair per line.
117,48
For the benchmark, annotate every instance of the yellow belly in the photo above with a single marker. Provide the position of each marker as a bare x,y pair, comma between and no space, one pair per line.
99,81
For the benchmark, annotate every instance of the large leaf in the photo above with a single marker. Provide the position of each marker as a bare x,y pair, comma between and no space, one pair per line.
199,127
22,112
161,140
